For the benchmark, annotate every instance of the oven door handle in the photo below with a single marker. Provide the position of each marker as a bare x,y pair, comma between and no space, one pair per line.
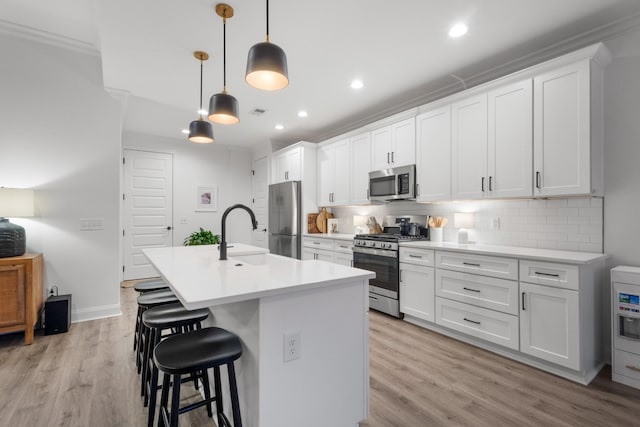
376,252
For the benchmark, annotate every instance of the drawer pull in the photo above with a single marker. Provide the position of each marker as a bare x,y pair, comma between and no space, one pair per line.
471,264
316,243
471,321
415,256
633,368
344,246
470,289
546,274
373,298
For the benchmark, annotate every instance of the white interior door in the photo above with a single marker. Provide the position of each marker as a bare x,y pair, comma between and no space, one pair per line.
260,203
147,209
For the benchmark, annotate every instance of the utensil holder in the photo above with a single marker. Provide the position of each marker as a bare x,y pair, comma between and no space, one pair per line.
435,234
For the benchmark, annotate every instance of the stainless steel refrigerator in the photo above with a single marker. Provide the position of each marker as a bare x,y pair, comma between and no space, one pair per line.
285,219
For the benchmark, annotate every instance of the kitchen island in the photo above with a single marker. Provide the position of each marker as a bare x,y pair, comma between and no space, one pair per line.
303,326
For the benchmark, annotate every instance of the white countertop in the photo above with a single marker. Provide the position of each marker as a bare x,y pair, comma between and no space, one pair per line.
552,255
200,279
335,236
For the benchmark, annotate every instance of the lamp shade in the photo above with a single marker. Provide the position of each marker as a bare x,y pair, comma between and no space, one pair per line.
16,202
223,109
267,67
463,220
200,132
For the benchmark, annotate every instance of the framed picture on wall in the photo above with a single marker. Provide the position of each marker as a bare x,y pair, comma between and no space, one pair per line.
207,198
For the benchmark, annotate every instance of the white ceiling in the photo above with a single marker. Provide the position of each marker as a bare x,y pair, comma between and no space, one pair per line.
400,50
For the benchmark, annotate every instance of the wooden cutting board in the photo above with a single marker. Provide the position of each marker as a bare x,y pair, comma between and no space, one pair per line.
321,221
312,226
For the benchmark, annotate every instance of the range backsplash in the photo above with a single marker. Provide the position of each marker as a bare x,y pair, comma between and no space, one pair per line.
570,224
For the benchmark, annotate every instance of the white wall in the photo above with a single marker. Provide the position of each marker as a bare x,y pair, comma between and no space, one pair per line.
204,164
60,135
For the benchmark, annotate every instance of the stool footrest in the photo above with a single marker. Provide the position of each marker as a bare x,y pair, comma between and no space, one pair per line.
196,405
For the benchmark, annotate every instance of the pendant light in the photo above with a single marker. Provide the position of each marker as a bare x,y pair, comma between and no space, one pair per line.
200,131
223,108
267,65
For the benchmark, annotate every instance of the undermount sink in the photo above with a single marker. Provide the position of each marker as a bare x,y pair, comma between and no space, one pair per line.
251,259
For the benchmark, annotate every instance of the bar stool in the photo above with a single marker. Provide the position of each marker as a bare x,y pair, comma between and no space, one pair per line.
155,321
196,352
142,287
145,302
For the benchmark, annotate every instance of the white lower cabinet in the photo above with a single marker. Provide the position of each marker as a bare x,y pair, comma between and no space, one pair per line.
339,251
549,324
498,328
319,254
416,291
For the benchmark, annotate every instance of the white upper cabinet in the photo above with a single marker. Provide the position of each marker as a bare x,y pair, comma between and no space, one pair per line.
287,165
360,167
433,153
394,145
562,131
334,162
510,141
469,148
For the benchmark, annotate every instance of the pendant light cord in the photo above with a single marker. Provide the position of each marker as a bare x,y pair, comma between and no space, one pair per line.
267,21
224,52
200,110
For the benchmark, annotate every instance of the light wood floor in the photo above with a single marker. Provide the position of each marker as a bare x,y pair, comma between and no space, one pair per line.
87,377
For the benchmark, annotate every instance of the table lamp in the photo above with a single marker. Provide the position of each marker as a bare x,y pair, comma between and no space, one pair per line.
14,202
463,221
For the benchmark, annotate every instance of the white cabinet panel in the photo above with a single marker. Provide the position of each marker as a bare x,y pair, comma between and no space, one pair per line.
481,291
504,268
549,324
360,167
433,154
424,257
510,140
489,325
469,148
416,291
334,161
550,274
394,145
343,259
562,131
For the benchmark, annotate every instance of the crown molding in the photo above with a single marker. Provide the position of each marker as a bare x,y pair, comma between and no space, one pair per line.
598,34
37,35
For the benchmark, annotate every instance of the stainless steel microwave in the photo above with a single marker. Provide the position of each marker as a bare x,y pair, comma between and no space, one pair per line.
393,184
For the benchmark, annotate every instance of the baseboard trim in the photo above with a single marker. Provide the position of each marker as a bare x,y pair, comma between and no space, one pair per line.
94,313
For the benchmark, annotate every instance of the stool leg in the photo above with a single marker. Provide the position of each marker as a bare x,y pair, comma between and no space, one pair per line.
164,398
233,389
175,401
218,389
207,391
153,394
145,364
135,333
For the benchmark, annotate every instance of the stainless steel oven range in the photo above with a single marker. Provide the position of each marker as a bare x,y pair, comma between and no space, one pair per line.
379,253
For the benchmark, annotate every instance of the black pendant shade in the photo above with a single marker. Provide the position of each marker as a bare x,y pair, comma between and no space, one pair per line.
223,109
200,131
267,67
13,241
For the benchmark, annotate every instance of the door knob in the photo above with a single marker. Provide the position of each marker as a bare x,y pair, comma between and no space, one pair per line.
264,229
169,228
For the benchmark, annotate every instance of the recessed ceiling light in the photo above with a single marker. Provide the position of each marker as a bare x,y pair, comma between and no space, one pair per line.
279,127
458,30
302,113
357,84
185,131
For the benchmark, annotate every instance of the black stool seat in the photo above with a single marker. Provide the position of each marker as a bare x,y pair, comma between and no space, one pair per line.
172,316
153,298
197,350
150,285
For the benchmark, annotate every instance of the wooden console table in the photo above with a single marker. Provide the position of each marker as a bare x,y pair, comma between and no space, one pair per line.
20,294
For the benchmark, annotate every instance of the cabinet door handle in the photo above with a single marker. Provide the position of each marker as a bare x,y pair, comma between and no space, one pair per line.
367,194
482,184
316,243
351,263
400,275
392,160
417,190
546,274
471,264
471,321
490,183
286,175
633,368
523,307
415,256
387,158
470,289
538,180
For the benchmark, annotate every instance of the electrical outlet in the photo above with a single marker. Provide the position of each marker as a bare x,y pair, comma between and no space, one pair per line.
50,290
291,347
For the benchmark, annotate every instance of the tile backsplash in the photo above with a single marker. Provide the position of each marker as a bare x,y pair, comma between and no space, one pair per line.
570,224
